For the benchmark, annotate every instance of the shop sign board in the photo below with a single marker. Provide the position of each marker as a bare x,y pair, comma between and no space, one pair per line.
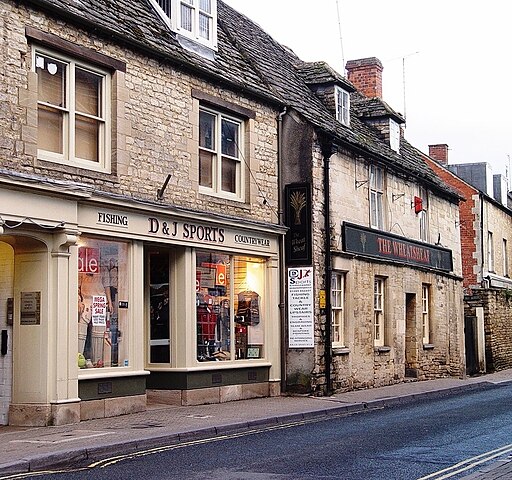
386,246
300,307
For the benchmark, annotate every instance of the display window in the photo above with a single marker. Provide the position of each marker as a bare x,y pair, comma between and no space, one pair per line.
229,314
102,304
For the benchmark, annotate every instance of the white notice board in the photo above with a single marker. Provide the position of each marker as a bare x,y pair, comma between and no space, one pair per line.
300,308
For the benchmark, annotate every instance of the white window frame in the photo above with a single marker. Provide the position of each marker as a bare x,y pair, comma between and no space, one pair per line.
69,112
342,100
394,135
423,215
425,313
216,189
174,22
377,197
505,258
490,251
378,311
338,280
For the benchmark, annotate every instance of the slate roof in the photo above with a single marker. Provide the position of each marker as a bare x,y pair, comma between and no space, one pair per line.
319,73
248,59
367,108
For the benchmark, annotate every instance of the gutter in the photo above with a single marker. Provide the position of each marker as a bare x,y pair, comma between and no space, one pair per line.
282,262
326,145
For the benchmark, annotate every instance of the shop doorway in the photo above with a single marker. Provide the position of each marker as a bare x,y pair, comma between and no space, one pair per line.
6,328
411,340
158,274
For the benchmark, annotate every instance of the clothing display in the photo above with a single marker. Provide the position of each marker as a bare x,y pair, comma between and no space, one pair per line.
248,311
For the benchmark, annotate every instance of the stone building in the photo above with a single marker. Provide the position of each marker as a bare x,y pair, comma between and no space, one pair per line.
151,154
392,253
486,232
373,267
139,246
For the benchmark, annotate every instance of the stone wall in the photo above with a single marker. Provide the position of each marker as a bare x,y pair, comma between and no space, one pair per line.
360,364
154,117
497,306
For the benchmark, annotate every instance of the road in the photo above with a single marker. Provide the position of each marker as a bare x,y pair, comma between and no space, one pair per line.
401,443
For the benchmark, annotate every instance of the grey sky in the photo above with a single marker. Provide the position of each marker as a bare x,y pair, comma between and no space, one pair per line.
457,85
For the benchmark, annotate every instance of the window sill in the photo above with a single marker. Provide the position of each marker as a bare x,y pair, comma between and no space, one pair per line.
338,351
383,349
428,346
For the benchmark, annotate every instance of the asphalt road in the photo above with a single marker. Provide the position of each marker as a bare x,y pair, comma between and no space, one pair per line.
405,442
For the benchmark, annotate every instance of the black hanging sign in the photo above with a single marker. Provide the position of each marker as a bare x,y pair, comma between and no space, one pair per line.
298,221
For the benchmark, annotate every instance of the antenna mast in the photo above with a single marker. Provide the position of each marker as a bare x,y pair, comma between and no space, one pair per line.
403,82
341,37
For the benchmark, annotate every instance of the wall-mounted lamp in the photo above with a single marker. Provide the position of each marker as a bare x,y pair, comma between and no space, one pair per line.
160,191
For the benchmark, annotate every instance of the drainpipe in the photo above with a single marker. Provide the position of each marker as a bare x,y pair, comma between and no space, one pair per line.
326,145
282,262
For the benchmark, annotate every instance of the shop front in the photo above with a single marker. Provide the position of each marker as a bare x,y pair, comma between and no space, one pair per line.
101,306
185,307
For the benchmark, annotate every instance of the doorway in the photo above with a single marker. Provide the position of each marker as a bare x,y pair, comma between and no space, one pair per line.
411,340
158,267
6,327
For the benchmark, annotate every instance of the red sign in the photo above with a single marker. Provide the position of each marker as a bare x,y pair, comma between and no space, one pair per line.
88,260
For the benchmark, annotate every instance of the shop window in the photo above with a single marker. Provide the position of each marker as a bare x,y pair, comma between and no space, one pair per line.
159,305
229,313
73,111
220,155
338,304
102,300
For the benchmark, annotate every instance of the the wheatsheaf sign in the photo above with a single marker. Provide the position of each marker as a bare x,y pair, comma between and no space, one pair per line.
382,245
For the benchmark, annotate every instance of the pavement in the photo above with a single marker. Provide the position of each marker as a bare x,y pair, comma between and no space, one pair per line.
29,449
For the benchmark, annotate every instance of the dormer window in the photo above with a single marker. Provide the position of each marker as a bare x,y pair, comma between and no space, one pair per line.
342,106
394,135
195,20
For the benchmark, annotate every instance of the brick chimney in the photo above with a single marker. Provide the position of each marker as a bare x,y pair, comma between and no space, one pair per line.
366,75
439,152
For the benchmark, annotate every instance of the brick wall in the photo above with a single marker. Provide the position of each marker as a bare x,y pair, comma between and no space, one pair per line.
469,234
366,75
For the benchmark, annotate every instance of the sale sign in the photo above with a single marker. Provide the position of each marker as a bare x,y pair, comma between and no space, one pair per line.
99,310
88,260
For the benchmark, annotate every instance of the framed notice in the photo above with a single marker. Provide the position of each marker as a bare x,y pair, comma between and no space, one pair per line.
30,308
300,308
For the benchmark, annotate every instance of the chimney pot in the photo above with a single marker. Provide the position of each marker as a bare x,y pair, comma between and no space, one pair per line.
439,152
366,75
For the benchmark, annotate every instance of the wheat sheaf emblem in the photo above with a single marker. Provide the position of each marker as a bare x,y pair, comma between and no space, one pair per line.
298,202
